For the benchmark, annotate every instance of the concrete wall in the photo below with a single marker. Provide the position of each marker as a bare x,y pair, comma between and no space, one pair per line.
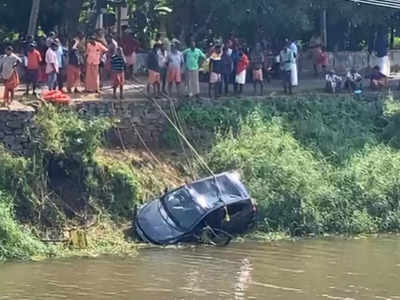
135,121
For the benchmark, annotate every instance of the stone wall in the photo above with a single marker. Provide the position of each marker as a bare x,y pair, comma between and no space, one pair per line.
14,125
344,60
135,121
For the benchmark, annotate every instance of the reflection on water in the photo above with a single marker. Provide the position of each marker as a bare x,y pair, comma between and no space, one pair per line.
305,270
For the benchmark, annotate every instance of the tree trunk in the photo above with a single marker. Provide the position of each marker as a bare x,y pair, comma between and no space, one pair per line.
71,16
34,17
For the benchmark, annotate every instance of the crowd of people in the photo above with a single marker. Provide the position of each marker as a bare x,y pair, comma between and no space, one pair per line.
69,66
85,61
227,64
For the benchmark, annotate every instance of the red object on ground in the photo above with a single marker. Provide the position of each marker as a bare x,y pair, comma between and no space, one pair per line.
56,97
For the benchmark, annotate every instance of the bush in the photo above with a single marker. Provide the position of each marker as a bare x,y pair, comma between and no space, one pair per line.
14,242
285,178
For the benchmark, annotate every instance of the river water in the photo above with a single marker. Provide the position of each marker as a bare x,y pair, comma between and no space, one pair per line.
302,270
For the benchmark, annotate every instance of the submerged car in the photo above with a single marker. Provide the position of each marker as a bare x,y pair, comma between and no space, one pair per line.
216,207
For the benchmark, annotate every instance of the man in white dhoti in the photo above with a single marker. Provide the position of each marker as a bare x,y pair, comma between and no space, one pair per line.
294,74
381,50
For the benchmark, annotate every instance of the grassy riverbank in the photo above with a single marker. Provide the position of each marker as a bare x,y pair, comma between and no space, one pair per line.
315,164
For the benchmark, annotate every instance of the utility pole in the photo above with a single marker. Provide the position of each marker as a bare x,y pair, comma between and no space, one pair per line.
324,30
34,17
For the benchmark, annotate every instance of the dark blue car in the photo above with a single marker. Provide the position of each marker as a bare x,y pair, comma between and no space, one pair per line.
219,205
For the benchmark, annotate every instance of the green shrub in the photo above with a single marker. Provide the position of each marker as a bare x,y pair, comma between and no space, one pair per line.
65,133
333,127
285,179
116,187
14,242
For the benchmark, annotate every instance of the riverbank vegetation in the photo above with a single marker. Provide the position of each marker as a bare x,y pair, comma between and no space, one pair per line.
314,164
74,182
61,185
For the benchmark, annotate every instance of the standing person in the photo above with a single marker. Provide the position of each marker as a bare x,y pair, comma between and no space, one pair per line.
235,60
162,63
257,60
381,50
215,72
52,67
27,43
294,71
193,57
241,71
153,67
75,63
118,63
8,65
175,63
130,46
112,46
286,62
42,48
316,50
81,38
94,52
61,65
227,69
100,38
34,60
51,39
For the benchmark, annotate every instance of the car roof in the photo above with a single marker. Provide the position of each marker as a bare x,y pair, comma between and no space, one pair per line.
211,191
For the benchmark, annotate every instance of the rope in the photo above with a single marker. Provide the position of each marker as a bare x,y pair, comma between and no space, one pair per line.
152,155
197,155
179,123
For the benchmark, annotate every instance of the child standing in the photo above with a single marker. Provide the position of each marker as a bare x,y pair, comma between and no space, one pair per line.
118,63
8,65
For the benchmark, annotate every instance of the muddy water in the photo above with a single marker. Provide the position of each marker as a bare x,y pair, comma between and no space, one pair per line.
305,270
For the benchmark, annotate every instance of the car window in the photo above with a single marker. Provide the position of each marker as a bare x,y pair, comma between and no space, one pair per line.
183,209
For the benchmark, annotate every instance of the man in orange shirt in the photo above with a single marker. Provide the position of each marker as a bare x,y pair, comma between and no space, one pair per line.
32,68
94,52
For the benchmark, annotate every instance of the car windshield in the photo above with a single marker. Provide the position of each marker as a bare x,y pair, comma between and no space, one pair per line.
180,205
